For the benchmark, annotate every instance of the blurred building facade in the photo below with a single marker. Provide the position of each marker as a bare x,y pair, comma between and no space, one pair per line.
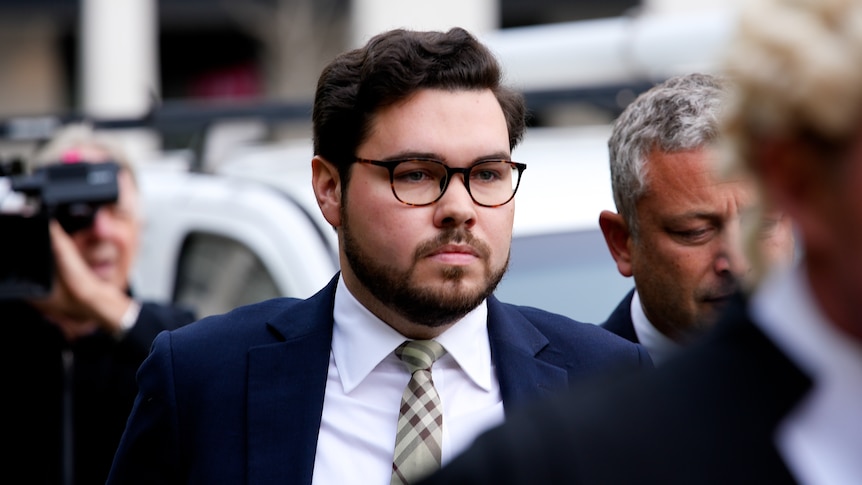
216,50
180,64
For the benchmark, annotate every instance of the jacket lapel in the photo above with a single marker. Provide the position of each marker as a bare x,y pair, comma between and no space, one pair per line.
620,320
515,343
286,385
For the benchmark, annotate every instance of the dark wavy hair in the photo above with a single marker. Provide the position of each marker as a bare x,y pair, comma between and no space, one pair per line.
391,67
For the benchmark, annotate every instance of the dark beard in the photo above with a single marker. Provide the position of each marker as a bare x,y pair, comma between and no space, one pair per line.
424,306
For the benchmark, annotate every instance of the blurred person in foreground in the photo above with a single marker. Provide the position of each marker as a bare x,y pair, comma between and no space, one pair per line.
412,140
772,393
677,230
71,357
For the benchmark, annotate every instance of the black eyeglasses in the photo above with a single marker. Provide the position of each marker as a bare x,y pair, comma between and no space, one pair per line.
423,181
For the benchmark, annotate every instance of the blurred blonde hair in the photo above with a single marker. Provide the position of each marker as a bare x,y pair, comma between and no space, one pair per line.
78,136
796,67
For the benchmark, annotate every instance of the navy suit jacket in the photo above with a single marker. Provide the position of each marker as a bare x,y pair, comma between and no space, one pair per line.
237,398
620,320
707,416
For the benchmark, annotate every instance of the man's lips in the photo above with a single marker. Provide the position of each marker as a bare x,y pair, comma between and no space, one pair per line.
454,254
102,268
717,298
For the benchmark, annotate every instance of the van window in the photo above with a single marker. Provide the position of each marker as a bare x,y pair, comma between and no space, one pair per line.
571,273
217,273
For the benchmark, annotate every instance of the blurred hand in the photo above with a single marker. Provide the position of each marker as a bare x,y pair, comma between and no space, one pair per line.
80,302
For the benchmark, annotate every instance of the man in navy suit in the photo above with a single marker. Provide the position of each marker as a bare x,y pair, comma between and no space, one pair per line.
412,140
676,231
771,394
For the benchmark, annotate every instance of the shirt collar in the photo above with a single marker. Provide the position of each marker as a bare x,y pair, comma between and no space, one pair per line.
658,345
360,341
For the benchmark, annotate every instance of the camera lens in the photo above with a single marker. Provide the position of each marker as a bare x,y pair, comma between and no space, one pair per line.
76,216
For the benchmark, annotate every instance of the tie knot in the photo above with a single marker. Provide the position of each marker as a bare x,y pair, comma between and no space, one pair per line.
419,354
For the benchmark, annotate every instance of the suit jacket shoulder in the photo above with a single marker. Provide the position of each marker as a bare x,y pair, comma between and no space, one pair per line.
154,318
548,351
249,383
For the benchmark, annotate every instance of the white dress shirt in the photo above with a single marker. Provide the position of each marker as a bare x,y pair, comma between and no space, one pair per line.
821,440
657,344
365,383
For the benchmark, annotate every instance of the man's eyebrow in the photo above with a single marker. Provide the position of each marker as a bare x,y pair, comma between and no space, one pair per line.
406,155
694,215
412,154
495,156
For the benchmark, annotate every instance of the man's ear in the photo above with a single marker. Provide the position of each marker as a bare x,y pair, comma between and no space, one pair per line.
327,189
617,237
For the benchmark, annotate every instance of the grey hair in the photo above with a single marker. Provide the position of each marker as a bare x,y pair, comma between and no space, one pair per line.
679,114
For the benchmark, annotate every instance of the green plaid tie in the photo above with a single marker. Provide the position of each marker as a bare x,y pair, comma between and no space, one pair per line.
420,422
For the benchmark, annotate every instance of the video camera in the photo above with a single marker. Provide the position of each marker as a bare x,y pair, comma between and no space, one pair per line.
70,193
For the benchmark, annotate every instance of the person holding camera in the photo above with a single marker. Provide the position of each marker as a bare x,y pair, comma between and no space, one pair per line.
71,356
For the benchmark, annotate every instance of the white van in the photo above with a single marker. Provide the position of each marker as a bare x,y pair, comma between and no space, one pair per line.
559,259
253,230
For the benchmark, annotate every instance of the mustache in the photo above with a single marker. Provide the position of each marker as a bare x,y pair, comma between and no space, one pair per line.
725,289
453,236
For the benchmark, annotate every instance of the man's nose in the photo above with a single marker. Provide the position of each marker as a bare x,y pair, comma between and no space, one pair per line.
103,222
732,257
456,207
